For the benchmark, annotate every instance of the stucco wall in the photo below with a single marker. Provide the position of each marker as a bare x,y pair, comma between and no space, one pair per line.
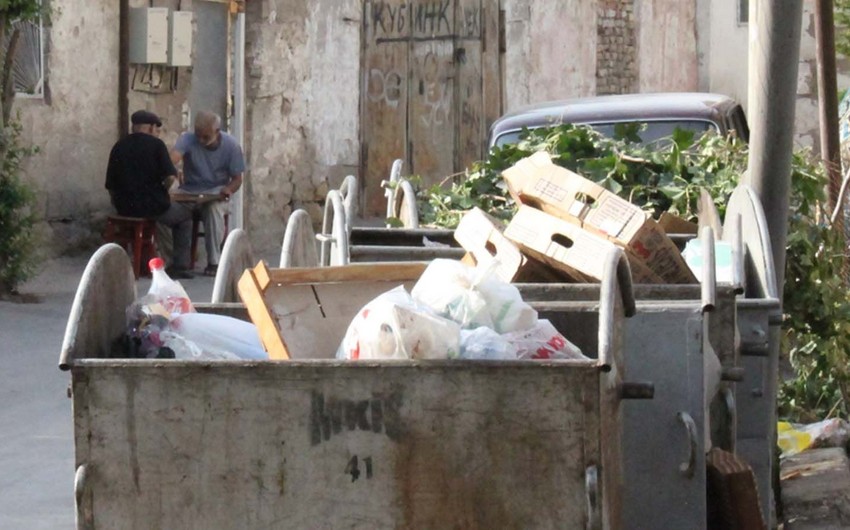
76,126
667,46
727,65
303,99
550,50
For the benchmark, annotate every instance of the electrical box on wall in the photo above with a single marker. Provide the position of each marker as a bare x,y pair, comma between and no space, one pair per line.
180,38
148,35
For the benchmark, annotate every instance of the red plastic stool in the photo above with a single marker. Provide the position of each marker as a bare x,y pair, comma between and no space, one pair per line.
137,235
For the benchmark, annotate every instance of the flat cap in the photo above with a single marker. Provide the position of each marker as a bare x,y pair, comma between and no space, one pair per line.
144,117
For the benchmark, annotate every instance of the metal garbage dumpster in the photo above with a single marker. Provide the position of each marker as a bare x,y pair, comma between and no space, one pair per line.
664,440
759,316
329,444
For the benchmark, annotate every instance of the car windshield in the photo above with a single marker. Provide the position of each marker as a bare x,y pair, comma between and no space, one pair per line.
648,132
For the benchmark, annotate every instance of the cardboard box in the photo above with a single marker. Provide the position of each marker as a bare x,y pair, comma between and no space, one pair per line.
673,224
481,236
538,182
566,246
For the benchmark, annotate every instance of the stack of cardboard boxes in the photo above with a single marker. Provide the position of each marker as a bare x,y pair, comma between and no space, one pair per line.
565,227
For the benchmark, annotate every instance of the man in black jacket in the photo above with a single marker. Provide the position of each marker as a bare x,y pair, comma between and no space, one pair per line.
137,179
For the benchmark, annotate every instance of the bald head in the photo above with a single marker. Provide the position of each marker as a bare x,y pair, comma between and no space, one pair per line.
207,127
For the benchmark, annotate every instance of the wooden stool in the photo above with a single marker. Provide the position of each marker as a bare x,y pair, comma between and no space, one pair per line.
137,235
197,234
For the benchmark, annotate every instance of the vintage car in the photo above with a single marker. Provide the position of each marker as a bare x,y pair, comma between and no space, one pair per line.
659,114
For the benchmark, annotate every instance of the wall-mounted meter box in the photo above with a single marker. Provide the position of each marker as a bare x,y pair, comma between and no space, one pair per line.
180,38
148,35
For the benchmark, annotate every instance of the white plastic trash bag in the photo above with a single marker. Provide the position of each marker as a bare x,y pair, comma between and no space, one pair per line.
217,336
485,344
543,341
473,297
394,326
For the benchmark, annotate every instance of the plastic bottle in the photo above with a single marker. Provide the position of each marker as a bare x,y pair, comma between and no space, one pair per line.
168,292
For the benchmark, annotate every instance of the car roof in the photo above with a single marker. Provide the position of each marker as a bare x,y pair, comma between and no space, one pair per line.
615,108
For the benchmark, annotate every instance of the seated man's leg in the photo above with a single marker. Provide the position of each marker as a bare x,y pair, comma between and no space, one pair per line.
179,218
213,216
164,242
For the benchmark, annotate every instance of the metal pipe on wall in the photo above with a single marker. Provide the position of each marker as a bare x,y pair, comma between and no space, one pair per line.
123,66
238,129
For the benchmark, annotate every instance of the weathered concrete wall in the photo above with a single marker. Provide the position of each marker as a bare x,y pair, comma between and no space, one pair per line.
551,50
807,113
728,70
76,125
303,107
666,46
729,41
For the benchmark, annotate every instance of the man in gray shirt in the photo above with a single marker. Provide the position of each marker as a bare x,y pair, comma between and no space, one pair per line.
212,164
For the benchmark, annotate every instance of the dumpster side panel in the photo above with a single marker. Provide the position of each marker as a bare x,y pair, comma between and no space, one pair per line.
178,445
664,345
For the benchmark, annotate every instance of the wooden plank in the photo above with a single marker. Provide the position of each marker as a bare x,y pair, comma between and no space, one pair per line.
431,110
315,317
261,316
389,272
469,97
384,96
491,62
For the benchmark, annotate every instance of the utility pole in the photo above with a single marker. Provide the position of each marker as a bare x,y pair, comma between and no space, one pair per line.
774,54
828,104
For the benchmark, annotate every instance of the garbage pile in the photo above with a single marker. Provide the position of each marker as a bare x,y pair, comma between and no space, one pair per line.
454,311
564,228
163,324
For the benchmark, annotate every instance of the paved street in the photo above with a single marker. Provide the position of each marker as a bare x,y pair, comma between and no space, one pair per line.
36,429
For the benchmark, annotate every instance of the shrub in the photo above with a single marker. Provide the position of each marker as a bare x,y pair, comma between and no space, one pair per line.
17,238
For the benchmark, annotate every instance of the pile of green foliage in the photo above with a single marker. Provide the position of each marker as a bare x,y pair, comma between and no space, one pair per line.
667,177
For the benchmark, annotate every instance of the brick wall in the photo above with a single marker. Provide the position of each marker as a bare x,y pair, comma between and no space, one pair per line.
616,50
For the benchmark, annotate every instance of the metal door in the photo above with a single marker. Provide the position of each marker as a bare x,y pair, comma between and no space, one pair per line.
430,86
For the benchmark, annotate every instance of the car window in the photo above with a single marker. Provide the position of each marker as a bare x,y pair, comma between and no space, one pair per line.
652,130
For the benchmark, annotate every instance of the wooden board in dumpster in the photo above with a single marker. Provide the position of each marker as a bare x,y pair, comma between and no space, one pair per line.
538,182
565,246
331,444
481,236
302,313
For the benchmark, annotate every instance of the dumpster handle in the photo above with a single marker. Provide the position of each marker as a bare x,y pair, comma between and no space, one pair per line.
616,272
85,520
738,274
591,490
334,231
687,468
709,270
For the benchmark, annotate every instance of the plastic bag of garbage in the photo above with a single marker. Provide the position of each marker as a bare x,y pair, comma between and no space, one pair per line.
543,341
794,438
216,337
149,316
146,320
394,326
473,297
485,344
